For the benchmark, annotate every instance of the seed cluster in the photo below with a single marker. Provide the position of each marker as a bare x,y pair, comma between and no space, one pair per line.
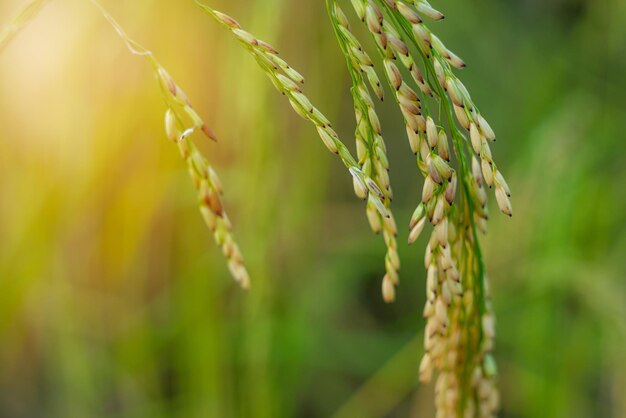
460,328
370,145
204,177
181,122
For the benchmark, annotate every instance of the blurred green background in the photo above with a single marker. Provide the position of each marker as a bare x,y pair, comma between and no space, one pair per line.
114,300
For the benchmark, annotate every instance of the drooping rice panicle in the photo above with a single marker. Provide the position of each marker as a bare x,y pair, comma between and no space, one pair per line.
430,143
371,149
181,122
459,330
28,13
288,82
465,385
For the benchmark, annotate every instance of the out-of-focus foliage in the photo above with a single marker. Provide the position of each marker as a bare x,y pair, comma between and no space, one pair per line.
114,300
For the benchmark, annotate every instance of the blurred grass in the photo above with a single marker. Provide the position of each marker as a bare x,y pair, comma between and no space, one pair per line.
115,302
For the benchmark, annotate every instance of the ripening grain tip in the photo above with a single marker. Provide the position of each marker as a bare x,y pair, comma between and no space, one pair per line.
245,283
327,139
209,217
388,290
425,369
453,92
393,73
487,171
431,132
488,324
442,168
503,201
215,181
227,20
418,215
209,132
416,231
475,138
426,9
485,128
422,35
428,189
374,219
341,17
245,37
394,258
455,60
267,47
408,13
186,134
438,213
214,201
373,188
440,73
462,117
171,130
451,189
500,181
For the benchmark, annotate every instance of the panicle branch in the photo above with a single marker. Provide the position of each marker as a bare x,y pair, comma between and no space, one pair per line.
370,145
181,122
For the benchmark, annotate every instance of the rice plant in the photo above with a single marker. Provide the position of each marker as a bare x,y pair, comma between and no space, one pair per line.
450,139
